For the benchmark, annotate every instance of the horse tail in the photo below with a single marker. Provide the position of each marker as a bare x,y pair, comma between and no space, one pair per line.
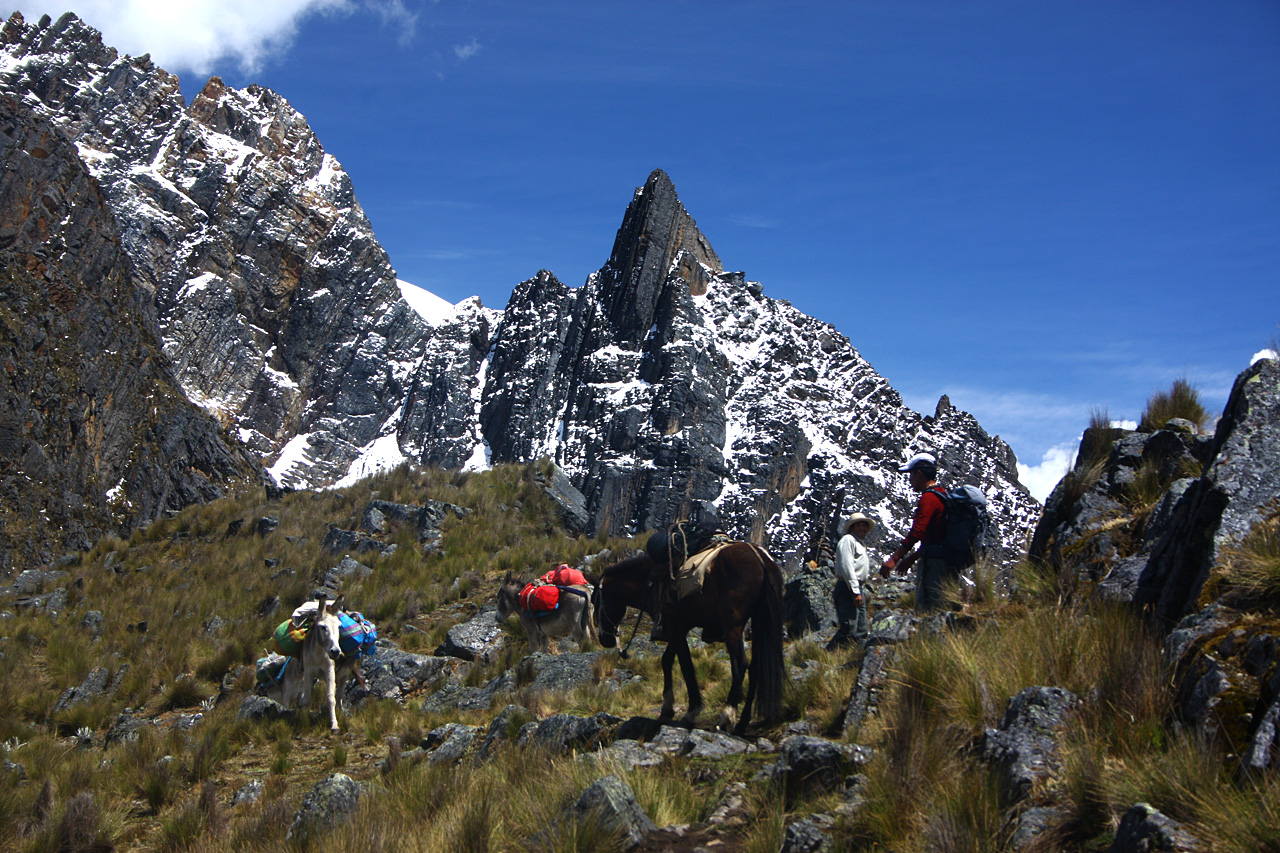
767,665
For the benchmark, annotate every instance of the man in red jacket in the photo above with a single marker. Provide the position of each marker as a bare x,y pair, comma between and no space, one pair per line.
929,528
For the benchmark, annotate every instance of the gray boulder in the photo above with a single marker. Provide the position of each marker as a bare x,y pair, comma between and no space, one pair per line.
810,834
261,708
450,743
1143,829
873,677
557,673
328,804
611,804
477,639
807,763
1025,747
393,674
566,732
93,686
505,727
807,602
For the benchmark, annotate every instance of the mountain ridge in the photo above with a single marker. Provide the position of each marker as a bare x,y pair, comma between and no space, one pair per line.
660,382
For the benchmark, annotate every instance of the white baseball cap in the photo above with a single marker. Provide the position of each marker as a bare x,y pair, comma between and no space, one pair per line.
918,460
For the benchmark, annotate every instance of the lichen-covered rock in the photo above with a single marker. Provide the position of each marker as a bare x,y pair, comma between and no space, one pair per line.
477,639
565,732
331,802
610,803
810,834
807,763
1025,747
1144,829
1220,508
808,605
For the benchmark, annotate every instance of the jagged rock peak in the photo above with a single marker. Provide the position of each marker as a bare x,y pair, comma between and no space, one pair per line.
657,233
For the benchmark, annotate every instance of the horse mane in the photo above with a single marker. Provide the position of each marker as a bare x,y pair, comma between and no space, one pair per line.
627,566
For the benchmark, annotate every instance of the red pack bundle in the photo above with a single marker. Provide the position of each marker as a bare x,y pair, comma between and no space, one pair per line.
563,575
539,597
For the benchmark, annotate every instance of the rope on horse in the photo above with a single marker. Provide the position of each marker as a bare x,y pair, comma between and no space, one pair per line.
634,628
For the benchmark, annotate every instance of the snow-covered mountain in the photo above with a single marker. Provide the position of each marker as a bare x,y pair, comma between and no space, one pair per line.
664,379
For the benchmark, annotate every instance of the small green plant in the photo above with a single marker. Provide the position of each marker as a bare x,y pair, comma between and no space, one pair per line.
1180,401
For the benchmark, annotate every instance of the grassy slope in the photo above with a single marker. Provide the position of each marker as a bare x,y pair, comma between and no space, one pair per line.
171,789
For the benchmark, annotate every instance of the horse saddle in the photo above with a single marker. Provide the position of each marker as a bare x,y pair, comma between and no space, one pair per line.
692,574
676,546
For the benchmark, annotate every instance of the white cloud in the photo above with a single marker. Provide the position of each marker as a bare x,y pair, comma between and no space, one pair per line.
1264,353
1040,479
466,51
394,14
194,35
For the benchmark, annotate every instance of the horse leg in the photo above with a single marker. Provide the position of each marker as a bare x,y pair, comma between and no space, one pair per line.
737,668
690,682
668,691
331,691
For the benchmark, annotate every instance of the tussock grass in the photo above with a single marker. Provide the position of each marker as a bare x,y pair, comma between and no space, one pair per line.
1251,569
926,788
1180,401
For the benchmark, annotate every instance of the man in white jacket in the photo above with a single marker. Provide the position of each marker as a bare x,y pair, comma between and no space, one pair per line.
853,567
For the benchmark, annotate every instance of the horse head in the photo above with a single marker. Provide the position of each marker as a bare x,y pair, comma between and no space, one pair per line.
326,630
620,585
508,597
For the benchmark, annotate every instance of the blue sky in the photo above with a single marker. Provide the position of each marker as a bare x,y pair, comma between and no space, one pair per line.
1033,207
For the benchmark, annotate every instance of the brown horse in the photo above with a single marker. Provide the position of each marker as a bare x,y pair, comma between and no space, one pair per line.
742,583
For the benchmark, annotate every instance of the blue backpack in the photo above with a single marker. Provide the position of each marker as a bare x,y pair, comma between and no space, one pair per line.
969,529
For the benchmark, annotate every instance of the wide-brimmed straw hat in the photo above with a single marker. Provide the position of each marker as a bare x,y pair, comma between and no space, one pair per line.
855,518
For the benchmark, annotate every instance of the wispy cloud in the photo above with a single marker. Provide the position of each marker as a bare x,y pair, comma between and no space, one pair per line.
466,51
394,14
195,35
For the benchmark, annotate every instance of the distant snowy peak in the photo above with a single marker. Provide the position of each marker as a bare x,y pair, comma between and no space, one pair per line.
428,306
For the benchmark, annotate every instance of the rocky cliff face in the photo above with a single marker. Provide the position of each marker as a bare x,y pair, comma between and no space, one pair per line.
95,434
664,380
276,304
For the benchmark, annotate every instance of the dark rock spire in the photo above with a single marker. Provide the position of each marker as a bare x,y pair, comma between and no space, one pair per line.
655,229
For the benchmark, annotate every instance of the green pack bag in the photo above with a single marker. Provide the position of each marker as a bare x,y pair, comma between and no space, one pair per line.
289,638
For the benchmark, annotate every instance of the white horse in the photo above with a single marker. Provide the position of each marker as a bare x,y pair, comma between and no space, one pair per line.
575,614
321,658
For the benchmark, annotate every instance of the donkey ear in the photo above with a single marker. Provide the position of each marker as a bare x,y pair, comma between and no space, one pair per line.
508,578
337,605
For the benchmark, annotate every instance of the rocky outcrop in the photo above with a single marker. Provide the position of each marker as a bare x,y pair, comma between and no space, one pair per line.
1239,488
95,434
1158,552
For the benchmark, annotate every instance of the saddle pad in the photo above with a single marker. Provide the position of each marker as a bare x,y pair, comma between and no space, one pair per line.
565,576
540,597
693,573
